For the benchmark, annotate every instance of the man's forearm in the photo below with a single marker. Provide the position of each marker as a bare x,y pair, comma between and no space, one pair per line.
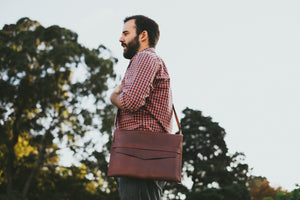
115,97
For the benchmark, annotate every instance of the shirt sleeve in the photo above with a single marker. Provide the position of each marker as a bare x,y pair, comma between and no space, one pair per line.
133,95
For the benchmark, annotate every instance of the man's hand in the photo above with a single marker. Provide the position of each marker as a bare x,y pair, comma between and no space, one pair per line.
115,97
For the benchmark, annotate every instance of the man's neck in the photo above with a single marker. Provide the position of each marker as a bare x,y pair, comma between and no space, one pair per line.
142,47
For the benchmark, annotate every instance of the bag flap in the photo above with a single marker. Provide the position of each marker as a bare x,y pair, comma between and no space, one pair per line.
148,141
145,154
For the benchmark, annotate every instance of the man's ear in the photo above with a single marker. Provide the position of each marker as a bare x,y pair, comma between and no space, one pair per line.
144,36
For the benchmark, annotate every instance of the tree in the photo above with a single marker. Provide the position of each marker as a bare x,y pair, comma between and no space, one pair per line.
260,188
268,198
293,195
206,162
43,103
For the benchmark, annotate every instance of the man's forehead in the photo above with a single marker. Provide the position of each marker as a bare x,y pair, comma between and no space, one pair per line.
129,25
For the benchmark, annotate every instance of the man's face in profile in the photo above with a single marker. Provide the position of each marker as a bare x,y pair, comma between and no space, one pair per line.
129,39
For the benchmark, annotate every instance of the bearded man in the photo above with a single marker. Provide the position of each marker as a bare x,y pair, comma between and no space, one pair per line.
144,98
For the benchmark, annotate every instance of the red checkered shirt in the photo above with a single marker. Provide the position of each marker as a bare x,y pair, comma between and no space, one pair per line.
146,95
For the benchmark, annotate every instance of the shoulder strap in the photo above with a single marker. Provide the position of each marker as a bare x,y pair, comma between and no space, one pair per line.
177,121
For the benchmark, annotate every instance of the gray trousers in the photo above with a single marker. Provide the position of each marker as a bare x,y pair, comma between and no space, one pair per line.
139,189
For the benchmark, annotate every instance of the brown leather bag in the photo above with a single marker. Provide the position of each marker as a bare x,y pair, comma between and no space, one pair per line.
146,155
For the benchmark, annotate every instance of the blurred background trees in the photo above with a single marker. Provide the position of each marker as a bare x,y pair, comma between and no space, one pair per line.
260,189
53,99
214,173
44,105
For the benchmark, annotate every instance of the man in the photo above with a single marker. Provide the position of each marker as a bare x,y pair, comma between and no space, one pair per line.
144,97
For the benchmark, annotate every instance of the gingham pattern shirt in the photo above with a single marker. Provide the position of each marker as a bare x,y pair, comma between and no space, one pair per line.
145,95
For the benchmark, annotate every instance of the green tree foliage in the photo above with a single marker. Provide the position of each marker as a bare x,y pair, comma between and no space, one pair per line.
44,104
294,195
215,174
268,198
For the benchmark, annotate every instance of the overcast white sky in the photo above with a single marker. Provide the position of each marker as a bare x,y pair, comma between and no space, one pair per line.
237,61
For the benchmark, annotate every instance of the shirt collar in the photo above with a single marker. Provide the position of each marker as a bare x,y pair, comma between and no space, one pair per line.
149,49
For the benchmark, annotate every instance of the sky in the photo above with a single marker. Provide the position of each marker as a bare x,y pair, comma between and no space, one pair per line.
236,61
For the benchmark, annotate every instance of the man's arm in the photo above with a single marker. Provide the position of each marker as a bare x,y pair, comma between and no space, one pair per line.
140,84
115,97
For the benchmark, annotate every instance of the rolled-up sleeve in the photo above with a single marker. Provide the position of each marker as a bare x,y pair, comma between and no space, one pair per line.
138,85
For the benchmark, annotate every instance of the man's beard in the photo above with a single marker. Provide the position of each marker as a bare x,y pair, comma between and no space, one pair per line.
131,48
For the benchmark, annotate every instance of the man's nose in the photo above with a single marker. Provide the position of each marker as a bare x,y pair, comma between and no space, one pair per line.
121,39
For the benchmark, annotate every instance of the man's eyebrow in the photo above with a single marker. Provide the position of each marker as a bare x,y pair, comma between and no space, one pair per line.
125,32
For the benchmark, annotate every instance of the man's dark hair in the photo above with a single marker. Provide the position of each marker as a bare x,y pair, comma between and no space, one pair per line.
144,23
